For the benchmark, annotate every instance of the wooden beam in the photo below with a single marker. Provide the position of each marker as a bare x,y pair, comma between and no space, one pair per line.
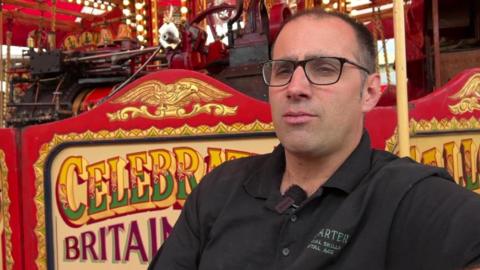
25,19
401,75
110,21
477,20
370,5
384,14
46,8
436,43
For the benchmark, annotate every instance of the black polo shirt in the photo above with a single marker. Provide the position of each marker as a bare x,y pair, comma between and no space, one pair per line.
375,212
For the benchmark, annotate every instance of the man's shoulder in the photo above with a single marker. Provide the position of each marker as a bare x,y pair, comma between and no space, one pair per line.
444,216
403,169
422,185
435,189
394,177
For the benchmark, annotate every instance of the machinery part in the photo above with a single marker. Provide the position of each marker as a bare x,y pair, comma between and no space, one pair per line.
88,99
45,62
169,35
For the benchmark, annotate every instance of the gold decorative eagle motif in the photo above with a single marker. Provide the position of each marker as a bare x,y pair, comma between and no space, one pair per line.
170,100
469,96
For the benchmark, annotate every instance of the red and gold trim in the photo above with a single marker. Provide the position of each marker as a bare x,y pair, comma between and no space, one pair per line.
5,213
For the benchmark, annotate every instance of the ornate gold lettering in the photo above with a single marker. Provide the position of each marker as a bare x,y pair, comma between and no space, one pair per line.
69,181
429,157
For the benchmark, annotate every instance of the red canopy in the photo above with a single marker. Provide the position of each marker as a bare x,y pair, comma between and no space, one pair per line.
23,16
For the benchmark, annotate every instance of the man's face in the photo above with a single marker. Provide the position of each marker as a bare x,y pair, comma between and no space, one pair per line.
320,120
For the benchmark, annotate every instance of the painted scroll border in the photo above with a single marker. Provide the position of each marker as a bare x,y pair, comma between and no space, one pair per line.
120,134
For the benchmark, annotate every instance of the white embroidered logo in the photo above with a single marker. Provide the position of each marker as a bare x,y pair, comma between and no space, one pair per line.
329,241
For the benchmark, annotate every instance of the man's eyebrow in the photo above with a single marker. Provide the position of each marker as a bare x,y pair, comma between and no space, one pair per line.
307,56
289,58
317,55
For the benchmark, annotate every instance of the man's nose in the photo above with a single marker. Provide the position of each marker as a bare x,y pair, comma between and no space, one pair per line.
299,85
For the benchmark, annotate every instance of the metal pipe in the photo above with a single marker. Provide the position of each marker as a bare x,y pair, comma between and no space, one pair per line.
35,104
127,81
401,75
10,94
106,55
231,21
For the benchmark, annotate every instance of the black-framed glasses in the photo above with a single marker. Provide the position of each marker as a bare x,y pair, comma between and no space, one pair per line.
319,70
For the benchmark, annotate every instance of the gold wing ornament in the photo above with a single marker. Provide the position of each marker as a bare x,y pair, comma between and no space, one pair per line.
468,96
171,100
151,93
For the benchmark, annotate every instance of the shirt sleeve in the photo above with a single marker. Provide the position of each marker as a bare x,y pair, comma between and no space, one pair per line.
437,226
181,249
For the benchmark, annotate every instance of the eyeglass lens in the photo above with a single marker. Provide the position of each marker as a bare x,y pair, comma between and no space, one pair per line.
318,71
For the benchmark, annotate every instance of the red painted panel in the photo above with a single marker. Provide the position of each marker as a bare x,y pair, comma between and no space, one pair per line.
382,121
11,197
35,137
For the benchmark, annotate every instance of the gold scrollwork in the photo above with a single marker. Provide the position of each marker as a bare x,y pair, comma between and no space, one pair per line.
434,126
168,112
5,213
443,125
468,96
468,104
170,100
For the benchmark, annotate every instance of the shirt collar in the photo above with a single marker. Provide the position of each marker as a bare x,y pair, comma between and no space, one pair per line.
265,182
352,171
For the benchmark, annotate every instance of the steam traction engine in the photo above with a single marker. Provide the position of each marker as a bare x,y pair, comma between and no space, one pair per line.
52,84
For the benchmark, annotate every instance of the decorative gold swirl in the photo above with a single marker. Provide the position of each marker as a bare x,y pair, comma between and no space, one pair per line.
443,125
40,231
434,126
171,112
468,104
171,100
179,94
468,96
185,130
5,205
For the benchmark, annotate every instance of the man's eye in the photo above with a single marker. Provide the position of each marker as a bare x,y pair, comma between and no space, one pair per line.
282,70
324,69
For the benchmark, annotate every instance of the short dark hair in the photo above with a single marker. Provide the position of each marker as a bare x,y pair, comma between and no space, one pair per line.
367,54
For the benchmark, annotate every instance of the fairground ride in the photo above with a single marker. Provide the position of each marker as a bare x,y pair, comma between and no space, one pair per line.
75,59
110,120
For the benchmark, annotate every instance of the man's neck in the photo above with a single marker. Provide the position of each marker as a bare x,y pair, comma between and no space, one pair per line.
310,173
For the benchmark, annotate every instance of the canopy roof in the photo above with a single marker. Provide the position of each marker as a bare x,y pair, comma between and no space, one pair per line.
23,16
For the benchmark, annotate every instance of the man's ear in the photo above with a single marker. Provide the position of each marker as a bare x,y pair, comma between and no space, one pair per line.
371,92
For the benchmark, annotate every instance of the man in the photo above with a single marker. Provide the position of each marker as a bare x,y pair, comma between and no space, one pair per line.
364,209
